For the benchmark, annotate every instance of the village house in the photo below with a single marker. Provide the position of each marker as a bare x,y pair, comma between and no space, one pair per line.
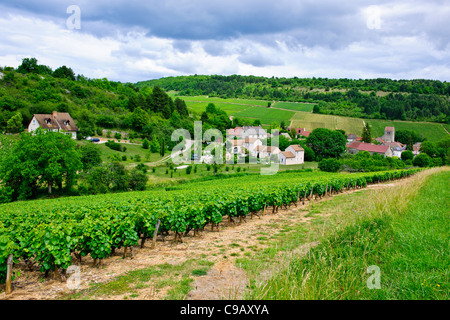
237,146
286,158
301,132
351,137
247,131
57,122
284,134
236,132
294,154
250,144
298,152
416,148
388,139
396,147
358,146
266,151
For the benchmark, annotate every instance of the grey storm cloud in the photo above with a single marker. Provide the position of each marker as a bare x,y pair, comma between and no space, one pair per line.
185,36
203,20
330,23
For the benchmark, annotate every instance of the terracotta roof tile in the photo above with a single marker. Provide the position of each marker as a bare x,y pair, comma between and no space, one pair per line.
288,154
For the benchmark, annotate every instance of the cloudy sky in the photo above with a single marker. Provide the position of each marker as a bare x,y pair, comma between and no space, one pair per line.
131,40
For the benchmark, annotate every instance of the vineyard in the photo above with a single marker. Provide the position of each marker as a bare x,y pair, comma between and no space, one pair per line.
51,234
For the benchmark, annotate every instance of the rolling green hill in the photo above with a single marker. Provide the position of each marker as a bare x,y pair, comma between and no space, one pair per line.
299,115
413,100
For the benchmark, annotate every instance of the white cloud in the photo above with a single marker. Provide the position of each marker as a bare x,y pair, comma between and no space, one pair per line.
306,40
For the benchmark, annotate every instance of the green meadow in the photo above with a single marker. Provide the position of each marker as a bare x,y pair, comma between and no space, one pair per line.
294,106
380,244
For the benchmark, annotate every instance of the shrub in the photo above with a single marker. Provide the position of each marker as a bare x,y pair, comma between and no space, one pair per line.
407,155
142,167
330,165
138,180
436,162
145,144
422,160
114,145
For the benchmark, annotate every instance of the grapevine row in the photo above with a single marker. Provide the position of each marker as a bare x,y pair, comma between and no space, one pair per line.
50,234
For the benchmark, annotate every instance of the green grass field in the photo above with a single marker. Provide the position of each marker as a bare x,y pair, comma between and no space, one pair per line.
215,100
402,231
241,108
294,106
164,176
266,115
230,109
311,121
431,131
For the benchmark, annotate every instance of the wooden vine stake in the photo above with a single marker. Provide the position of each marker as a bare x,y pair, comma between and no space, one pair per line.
155,233
9,262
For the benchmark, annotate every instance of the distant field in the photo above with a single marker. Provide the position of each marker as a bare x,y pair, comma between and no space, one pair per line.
311,121
215,100
228,108
295,106
266,115
241,108
302,117
431,131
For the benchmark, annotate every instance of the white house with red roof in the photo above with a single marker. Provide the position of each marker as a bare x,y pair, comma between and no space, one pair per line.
57,122
262,151
358,146
298,152
250,144
287,158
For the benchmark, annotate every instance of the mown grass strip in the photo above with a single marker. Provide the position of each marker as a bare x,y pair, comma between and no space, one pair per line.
401,230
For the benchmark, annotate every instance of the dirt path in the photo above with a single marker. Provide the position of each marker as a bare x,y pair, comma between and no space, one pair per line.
223,281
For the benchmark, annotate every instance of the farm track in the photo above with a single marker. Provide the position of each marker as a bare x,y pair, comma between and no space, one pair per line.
223,281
